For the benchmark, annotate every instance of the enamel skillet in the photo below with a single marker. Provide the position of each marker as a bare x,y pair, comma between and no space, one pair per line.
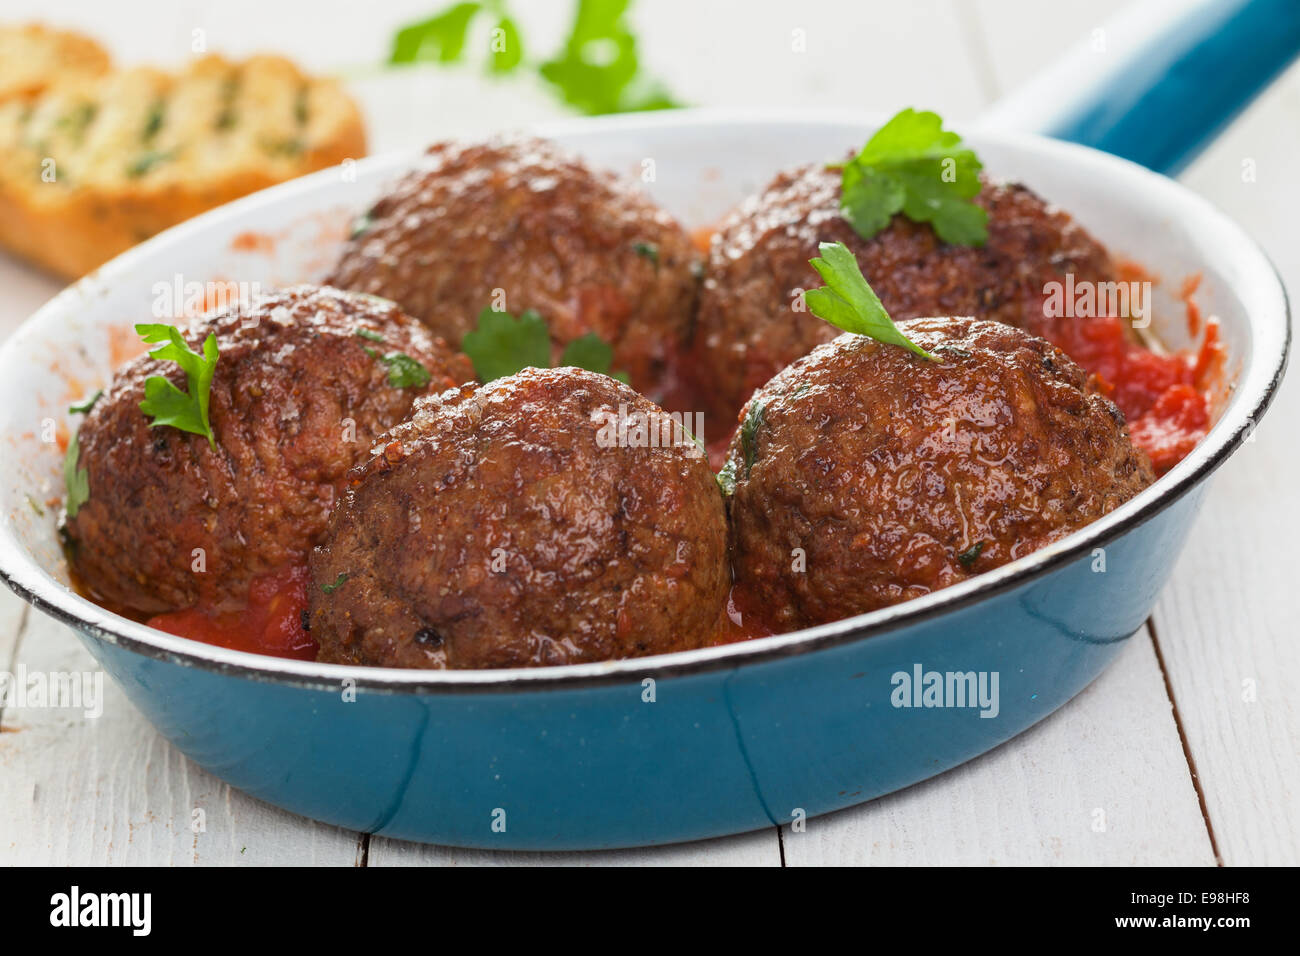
726,739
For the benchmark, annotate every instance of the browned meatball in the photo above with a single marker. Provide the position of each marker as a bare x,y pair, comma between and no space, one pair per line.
585,250
510,526
896,476
296,398
750,321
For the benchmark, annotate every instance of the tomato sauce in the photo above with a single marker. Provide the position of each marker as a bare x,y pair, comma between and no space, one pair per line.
740,619
270,623
1164,397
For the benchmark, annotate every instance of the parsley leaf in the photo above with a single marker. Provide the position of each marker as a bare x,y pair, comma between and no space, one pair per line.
592,353
647,250
76,480
84,406
338,583
404,371
968,557
914,166
598,70
441,38
164,402
754,416
502,345
848,303
507,47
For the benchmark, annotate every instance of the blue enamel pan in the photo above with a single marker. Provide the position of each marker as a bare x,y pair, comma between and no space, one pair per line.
714,741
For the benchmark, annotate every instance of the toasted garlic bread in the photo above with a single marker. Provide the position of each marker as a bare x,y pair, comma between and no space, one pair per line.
89,168
33,57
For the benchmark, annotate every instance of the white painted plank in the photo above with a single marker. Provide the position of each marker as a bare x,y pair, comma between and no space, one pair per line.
112,791
1231,613
1110,757
760,848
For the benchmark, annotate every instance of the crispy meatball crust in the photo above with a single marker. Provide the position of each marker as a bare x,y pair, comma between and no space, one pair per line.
898,476
496,530
295,402
587,251
749,328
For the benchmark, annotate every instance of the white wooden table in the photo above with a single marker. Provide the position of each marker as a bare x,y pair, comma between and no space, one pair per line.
1186,749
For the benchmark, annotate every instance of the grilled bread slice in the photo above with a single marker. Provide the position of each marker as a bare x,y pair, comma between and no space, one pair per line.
89,168
33,57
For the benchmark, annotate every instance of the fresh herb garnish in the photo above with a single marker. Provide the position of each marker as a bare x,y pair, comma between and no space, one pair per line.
594,354
164,402
338,583
441,38
146,161
506,51
914,166
153,122
502,345
727,478
75,479
86,404
968,557
647,250
848,302
403,371
369,334
754,415
596,71
361,226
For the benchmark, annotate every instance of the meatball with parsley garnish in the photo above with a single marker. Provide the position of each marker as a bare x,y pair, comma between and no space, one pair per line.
870,472
519,225
552,516
931,236
216,458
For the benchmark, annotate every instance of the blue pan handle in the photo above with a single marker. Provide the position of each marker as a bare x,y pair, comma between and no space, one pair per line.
1160,82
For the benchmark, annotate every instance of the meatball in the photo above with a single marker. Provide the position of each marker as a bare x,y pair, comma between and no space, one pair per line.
300,389
865,475
751,323
525,522
517,225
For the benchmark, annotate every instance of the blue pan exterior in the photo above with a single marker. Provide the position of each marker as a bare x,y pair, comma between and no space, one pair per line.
593,765
1190,71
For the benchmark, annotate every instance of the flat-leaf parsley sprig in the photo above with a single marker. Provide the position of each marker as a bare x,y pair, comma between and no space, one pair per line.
849,303
166,404
76,479
914,166
501,345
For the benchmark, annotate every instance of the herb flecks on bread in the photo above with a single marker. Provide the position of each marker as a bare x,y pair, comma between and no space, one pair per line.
91,166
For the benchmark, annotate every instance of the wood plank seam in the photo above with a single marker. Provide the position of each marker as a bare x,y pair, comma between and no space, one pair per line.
1182,739
12,663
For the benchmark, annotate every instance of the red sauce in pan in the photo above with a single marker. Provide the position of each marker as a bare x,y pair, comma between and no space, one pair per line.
271,623
1164,397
